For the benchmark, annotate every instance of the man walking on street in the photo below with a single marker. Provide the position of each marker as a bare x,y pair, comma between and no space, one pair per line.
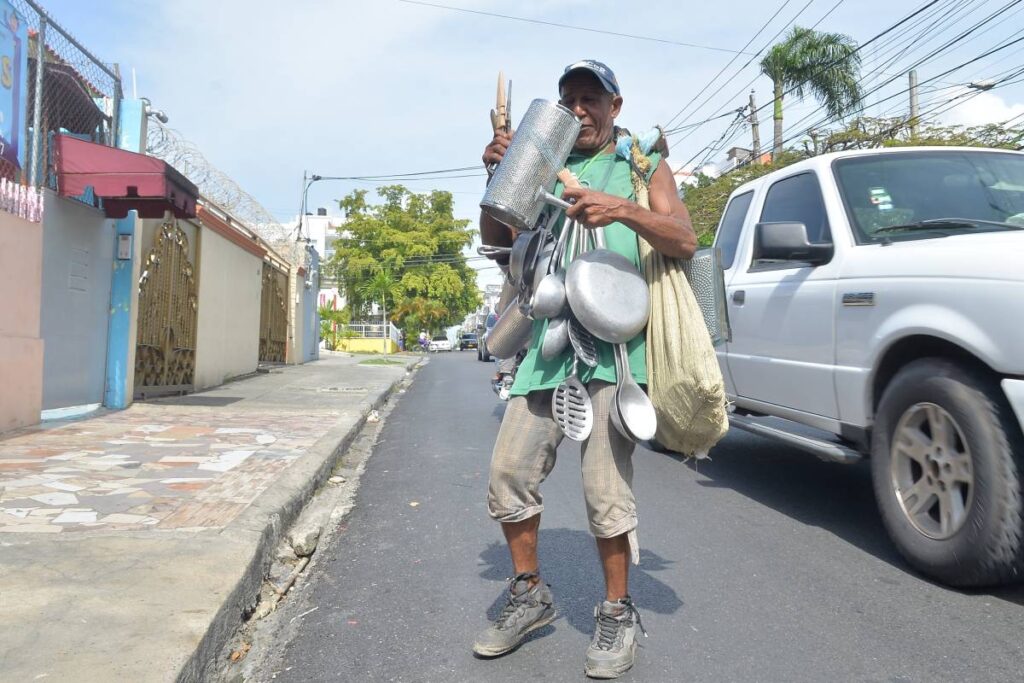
525,450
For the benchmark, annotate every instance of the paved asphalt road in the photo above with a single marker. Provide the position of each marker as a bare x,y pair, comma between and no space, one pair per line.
761,565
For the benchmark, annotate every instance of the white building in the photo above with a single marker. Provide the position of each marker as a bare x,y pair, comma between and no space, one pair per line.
322,231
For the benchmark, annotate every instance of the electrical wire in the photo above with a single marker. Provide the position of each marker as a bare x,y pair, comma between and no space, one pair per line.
914,15
923,60
987,53
566,26
389,176
734,58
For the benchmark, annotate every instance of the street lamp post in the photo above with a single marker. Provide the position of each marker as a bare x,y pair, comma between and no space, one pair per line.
307,182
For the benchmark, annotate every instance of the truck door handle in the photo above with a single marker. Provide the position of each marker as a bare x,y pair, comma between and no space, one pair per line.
739,296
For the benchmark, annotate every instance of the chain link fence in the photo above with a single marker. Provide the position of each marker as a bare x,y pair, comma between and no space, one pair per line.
69,91
74,93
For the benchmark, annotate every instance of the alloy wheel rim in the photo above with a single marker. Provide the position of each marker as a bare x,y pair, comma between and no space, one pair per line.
932,473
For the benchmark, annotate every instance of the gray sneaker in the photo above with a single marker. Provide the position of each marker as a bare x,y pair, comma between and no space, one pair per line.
526,609
613,649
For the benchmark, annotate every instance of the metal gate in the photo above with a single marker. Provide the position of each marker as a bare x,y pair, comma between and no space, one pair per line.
273,315
165,355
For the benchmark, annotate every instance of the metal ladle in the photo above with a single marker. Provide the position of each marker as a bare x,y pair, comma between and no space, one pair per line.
549,295
632,412
556,336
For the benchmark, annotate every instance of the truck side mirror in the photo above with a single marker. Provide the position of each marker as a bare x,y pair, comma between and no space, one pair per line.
788,242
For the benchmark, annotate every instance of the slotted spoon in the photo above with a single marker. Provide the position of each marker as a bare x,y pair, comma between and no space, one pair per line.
582,342
571,407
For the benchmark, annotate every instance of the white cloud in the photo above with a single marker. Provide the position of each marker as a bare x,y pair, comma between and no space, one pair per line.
988,107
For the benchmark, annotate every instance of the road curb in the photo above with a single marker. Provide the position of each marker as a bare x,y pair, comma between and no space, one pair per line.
267,520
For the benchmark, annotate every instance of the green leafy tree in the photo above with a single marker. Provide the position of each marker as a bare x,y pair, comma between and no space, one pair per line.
381,287
706,201
825,64
405,253
333,325
867,132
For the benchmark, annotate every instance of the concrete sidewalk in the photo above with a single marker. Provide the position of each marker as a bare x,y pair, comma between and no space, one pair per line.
131,542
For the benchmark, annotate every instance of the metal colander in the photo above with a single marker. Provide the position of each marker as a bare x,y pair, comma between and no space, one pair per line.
543,140
707,280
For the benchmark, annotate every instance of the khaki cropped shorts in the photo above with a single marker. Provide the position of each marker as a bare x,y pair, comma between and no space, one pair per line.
524,455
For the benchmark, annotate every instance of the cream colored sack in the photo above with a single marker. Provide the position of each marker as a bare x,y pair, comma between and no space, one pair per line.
684,380
683,377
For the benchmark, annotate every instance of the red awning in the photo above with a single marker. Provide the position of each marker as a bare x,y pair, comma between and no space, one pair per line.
124,180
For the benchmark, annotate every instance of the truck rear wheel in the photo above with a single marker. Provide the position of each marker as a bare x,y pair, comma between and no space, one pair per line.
946,470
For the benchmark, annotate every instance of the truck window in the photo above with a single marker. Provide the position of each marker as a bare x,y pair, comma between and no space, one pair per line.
732,224
798,199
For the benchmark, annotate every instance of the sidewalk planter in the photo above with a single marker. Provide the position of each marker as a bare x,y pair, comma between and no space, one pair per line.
369,338
361,345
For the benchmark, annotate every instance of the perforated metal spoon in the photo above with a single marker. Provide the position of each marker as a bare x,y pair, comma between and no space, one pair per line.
571,407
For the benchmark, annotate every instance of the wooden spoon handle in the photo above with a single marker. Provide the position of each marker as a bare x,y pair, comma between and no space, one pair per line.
568,178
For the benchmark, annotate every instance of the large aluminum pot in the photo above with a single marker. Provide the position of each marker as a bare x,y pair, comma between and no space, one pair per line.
607,293
510,334
542,142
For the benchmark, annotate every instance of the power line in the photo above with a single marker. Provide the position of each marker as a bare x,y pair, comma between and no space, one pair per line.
389,176
903,21
923,60
749,61
860,47
735,57
567,26
959,38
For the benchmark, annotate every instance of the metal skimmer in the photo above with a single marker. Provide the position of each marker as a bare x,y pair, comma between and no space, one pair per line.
582,342
571,407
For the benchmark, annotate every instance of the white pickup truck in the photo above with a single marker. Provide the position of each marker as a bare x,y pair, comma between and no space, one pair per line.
876,300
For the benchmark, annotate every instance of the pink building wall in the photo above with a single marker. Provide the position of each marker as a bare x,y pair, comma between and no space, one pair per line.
21,349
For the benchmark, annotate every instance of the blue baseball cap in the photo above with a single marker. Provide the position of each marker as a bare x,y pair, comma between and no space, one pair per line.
603,73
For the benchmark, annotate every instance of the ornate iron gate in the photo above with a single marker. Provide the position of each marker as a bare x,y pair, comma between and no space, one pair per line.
165,355
273,315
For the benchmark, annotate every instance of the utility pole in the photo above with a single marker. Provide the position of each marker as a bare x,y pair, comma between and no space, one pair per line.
755,129
913,103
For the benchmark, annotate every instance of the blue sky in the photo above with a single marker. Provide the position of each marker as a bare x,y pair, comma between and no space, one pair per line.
352,87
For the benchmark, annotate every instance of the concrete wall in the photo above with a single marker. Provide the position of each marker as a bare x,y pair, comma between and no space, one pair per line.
21,349
78,257
364,345
228,332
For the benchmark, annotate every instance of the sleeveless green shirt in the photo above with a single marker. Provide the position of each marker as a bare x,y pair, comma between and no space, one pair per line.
537,374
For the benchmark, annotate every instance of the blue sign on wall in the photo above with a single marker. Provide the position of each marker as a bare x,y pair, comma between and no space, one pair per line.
13,83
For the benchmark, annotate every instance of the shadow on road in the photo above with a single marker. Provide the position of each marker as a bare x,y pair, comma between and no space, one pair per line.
837,498
570,564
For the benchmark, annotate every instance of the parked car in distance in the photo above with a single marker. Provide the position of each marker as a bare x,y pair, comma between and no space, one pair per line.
481,349
468,341
440,343
877,297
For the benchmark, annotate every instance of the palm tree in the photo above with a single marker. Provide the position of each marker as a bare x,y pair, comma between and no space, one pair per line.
826,64
379,287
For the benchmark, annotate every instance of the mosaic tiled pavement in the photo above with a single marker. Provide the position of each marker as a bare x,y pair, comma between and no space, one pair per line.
151,467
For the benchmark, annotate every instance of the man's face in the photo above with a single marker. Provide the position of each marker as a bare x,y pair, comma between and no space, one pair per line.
597,108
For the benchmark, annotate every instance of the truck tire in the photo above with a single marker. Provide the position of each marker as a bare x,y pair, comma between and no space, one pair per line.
946,468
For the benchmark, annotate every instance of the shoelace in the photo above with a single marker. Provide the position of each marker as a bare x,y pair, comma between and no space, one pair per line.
513,602
608,626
